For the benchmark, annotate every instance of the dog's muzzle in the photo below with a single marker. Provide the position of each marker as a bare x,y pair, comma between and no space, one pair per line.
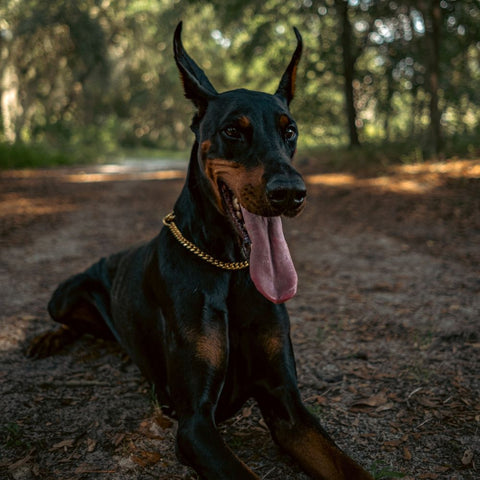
286,196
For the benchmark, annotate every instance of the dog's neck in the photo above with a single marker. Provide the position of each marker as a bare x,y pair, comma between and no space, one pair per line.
199,219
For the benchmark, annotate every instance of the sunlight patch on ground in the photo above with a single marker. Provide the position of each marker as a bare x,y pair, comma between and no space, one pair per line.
332,179
414,178
386,183
125,170
116,177
15,204
452,168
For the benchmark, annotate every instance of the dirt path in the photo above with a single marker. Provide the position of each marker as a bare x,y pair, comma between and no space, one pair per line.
385,325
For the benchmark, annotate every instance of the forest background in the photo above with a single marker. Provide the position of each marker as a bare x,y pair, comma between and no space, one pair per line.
81,80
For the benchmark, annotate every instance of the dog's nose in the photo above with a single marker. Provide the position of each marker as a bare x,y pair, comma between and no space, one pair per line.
286,195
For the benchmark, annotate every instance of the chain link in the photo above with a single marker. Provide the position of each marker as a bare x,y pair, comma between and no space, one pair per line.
168,221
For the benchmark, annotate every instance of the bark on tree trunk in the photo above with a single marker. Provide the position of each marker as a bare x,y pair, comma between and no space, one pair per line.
349,60
9,102
432,15
388,104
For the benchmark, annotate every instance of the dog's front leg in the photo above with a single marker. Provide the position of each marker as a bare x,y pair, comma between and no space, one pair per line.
292,426
197,365
200,446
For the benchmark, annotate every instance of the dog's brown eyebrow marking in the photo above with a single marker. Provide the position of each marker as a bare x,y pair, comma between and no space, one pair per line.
244,121
205,146
283,121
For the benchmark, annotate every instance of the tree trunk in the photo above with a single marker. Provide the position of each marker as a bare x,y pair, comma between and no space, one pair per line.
432,15
349,60
9,102
388,104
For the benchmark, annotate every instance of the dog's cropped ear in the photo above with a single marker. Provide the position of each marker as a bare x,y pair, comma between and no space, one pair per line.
286,88
196,85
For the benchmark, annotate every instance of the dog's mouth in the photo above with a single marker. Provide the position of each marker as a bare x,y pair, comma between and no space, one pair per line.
263,243
232,206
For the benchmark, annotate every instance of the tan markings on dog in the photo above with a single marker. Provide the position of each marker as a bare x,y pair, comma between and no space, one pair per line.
247,184
273,345
318,456
215,169
205,146
254,199
244,121
210,348
283,121
315,453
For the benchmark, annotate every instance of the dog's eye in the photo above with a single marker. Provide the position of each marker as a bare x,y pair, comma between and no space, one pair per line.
290,132
232,132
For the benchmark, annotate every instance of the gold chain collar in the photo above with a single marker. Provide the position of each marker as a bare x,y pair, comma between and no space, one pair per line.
168,221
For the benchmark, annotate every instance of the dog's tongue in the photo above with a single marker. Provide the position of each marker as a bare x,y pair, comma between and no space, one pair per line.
271,266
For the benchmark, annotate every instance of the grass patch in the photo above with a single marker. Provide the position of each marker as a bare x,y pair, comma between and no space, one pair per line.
14,436
146,153
380,472
316,410
20,155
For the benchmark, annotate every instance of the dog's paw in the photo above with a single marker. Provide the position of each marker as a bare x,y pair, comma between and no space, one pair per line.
51,342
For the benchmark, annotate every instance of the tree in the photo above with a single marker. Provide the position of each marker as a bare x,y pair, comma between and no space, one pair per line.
432,15
349,58
79,73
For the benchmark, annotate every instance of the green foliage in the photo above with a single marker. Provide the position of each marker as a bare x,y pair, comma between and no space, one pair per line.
20,155
316,409
14,436
368,157
380,472
94,76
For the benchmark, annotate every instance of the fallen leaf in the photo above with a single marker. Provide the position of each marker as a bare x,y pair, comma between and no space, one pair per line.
425,402
145,459
374,401
262,424
247,411
406,454
117,439
321,400
20,462
150,430
85,468
162,421
392,443
467,457
383,408
63,444
91,444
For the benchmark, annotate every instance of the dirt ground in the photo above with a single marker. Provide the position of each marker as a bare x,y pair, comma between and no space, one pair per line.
385,324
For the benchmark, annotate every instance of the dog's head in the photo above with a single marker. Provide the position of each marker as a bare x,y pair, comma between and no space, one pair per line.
246,141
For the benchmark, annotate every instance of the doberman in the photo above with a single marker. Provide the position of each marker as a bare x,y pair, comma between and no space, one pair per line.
200,309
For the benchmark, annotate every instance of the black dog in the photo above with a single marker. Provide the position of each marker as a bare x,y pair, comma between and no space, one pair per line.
200,308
